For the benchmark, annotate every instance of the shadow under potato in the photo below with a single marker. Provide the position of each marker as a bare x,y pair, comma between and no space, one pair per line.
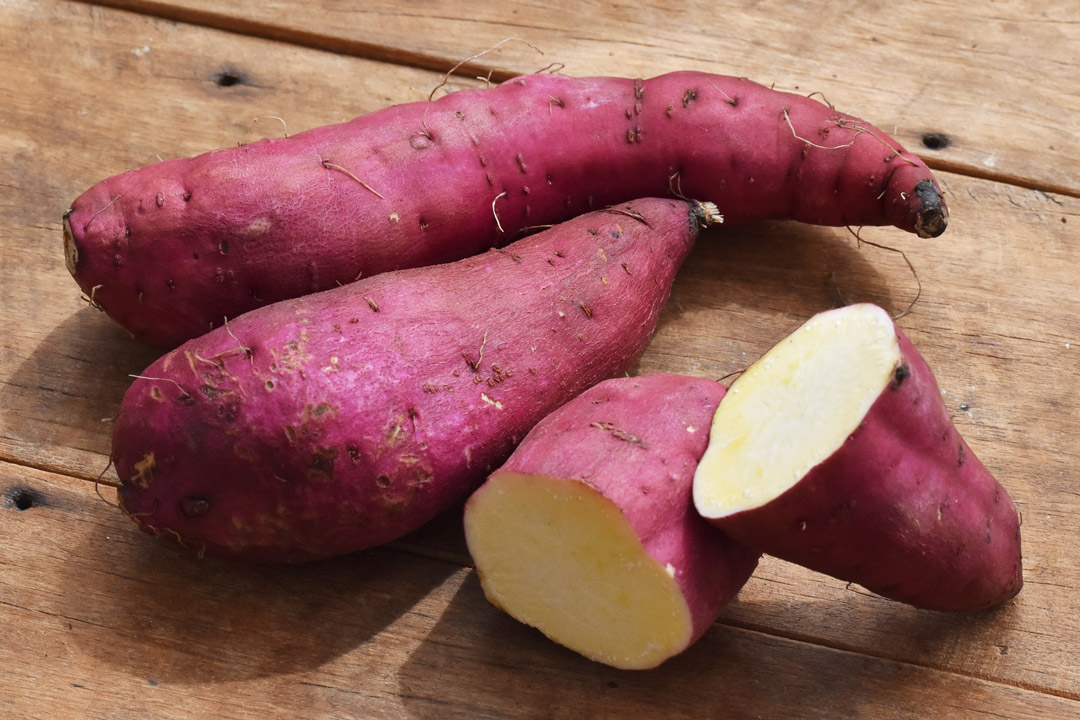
744,288
60,394
162,614
794,268
477,662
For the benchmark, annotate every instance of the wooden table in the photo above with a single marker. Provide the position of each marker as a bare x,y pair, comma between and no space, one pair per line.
101,621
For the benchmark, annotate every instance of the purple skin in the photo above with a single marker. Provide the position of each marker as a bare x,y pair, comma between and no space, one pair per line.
172,249
903,508
628,439
342,420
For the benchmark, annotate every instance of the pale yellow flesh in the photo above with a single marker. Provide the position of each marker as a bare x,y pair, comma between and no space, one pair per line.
559,556
794,407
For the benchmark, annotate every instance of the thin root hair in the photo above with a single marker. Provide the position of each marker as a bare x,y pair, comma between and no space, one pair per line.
256,119
674,182
628,213
486,79
183,392
859,241
247,351
824,100
135,515
811,143
731,374
480,355
100,480
847,125
495,212
727,98
107,206
859,129
451,71
334,166
91,300
97,489
551,68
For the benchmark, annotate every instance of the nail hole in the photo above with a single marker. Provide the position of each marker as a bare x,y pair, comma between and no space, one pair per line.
936,141
229,77
24,499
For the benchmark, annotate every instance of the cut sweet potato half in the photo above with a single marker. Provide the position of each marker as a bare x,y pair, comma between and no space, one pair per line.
835,451
588,532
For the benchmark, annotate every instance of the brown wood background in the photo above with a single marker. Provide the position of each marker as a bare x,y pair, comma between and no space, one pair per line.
100,621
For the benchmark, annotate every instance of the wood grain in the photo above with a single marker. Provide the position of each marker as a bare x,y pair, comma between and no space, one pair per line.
988,91
104,622
100,621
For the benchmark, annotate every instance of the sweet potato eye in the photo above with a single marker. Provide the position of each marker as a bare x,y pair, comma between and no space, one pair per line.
194,506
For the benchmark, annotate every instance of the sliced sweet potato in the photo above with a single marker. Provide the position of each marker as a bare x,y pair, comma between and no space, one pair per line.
835,451
588,532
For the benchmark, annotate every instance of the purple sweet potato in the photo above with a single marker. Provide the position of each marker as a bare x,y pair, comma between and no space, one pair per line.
173,249
344,419
589,533
836,451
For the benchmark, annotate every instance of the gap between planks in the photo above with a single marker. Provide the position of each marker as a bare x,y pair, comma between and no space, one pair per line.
302,38
436,63
58,469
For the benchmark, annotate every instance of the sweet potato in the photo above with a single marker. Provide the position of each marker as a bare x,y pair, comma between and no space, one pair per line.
835,451
172,249
589,533
344,419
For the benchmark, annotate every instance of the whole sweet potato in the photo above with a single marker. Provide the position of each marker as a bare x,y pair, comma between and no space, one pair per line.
835,451
589,533
344,419
173,249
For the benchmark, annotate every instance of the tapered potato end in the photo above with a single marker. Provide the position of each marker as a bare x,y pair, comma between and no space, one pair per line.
835,451
559,556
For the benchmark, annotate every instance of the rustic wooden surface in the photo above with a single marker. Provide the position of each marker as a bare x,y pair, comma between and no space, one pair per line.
100,621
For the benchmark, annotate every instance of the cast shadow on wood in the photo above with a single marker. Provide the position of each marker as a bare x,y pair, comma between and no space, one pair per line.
161,613
72,381
848,617
477,662
788,269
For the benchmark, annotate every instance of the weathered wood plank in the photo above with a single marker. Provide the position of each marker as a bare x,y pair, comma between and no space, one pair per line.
987,90
102,622
997,319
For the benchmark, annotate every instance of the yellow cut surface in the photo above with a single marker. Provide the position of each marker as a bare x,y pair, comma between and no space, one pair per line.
794,408
559,556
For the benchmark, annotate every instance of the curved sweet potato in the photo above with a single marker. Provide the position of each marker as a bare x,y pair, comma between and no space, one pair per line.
172,249
344,419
